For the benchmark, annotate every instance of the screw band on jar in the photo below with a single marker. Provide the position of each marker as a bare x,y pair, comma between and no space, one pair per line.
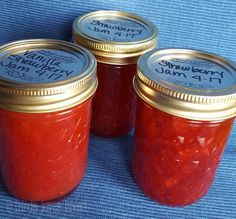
45,75
187,83
115,37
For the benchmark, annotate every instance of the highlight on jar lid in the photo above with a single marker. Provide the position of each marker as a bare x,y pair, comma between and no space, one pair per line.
187,83
45,75
115,37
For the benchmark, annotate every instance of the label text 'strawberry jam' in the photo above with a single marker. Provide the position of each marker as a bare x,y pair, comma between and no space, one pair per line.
46,89
117,39
185,111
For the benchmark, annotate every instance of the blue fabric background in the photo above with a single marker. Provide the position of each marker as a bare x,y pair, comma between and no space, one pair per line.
108,189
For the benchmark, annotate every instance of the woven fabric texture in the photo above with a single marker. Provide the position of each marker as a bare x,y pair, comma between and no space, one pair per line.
108,189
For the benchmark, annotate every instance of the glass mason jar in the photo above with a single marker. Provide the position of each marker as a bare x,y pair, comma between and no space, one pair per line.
117,39
185,111
46,90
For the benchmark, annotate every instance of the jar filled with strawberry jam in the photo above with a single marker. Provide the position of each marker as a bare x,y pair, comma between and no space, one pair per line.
117,39
185,111
46,89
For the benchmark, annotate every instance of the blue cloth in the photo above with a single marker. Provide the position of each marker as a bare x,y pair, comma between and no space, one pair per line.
108,189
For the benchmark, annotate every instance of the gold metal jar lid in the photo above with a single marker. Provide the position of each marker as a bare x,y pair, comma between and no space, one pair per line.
187,83
45,75
115,37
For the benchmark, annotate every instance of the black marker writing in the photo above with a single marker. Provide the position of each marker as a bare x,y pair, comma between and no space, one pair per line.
96,29
40,58
192,73
169,72
116,27
206,72
112,29
12,65
32,61
173,66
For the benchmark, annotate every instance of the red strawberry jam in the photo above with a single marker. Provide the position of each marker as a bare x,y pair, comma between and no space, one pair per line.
186,108
46,90
114,101
117,39
175,159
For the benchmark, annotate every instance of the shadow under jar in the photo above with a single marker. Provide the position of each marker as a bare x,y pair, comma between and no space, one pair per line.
117,39
185,111
46,90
